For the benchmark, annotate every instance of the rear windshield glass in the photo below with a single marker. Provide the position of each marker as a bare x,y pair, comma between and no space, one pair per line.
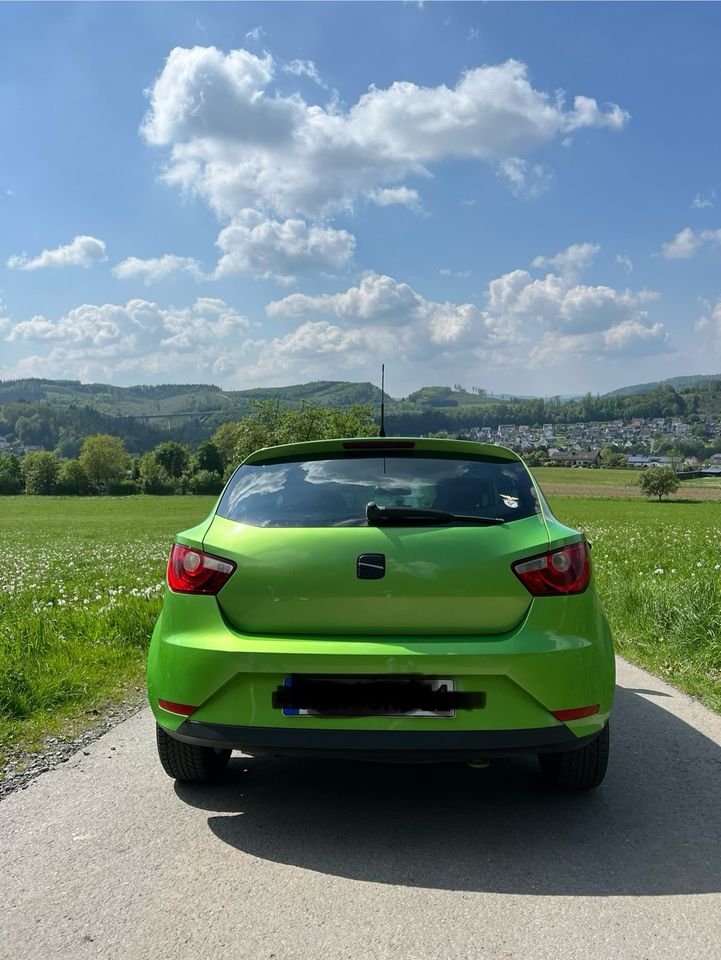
336,491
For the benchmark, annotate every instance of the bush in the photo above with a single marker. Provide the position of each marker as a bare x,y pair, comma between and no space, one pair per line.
72,479
11,475
153,478
123,488
205,481
40,471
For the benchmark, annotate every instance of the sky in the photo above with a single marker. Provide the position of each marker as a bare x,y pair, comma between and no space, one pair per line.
520,197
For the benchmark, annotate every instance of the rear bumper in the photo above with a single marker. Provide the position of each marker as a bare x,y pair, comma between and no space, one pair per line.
387,745
559,657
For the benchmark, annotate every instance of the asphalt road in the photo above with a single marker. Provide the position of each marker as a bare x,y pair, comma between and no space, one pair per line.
106,857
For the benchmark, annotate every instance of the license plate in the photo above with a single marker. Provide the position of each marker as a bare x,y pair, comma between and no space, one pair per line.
325,696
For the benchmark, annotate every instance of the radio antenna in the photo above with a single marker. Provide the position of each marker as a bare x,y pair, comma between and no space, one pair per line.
382,431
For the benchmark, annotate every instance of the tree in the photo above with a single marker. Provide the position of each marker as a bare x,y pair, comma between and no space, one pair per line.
172,457
40,471
658,481
153,478
612,458
272,425
208,457
104,459
226,438
73,479
11,475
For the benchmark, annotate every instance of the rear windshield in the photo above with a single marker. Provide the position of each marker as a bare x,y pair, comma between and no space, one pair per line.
335,491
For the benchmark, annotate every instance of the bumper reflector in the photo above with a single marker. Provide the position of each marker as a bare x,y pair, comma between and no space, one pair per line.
183,709
576,713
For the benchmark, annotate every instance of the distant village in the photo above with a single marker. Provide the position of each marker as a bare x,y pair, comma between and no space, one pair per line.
636,441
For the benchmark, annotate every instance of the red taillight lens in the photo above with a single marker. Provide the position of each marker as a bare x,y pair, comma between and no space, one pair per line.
183,709
563,571
193,571
576,713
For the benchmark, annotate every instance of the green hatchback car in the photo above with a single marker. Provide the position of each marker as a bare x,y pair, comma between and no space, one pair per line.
382,599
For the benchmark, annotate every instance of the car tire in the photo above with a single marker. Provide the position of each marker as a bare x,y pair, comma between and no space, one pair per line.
581,769
189,762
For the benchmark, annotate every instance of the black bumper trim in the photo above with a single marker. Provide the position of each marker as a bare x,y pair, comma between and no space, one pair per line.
429,745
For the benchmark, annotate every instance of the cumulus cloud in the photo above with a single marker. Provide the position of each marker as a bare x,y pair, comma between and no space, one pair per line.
105,339
544,314
572,261
81,252
524,318
688,242
278,250
256,246
525,180
238,143
156,268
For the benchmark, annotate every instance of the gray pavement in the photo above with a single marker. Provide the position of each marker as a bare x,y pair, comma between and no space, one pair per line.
106,857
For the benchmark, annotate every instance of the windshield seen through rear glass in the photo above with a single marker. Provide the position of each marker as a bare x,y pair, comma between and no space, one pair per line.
335,491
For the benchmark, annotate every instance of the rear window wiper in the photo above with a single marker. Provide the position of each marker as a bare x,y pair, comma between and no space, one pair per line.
378,516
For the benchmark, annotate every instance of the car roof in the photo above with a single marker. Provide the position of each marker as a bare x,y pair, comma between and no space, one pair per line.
314,449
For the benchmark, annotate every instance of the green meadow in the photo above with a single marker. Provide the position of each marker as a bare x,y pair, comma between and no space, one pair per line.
81,582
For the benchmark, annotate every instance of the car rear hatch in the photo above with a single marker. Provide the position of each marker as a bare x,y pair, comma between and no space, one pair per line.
310,563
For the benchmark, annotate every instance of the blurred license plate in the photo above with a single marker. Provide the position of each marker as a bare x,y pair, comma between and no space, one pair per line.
303,696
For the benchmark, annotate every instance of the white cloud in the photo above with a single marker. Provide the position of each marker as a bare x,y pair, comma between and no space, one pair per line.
701,202
388,196
107,339
255,246
277,250
524,319
377,299
623,261
238,143
710,322
304,68
688,242
256,34
82,252
447,272
157,268
525,180
572,261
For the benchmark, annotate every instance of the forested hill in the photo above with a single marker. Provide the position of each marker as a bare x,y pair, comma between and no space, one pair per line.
59,413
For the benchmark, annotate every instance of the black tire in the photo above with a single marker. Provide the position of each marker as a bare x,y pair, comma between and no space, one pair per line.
581,769
188,762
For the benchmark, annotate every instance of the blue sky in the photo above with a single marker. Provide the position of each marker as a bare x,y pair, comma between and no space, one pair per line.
522,197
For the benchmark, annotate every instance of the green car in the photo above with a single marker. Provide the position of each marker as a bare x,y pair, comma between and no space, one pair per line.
382,599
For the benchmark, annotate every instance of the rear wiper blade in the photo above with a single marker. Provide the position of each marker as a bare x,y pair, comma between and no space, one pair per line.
389,515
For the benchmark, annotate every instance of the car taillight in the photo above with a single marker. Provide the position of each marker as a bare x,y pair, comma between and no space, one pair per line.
193,571
563,571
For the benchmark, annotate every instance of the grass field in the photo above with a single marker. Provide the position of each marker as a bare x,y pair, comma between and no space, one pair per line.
81,581
658,570
615,478
606,484
80,587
